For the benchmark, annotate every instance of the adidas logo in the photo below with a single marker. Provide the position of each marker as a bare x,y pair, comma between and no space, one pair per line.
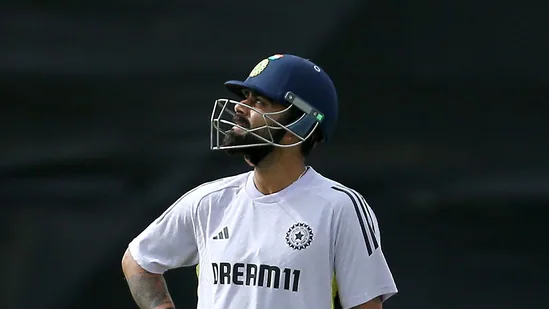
223,234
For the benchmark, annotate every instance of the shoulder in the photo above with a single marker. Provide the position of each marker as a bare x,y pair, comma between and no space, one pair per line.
213,189
218,186
337,194
345,202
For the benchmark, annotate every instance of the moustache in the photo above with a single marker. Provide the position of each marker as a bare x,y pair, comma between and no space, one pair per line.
241,121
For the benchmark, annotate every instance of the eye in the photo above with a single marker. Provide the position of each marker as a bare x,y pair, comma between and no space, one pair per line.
259,100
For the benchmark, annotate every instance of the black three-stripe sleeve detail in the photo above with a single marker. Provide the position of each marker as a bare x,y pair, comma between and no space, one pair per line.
368,212
369,219
360,218
367,231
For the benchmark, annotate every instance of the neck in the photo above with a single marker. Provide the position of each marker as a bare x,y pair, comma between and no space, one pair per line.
276,173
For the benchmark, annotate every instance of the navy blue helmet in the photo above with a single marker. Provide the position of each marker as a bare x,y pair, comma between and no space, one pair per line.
292,81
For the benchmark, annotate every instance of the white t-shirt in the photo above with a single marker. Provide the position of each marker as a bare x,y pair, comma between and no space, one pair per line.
271,251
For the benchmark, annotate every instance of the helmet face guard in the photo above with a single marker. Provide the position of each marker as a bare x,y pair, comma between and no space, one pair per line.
222,122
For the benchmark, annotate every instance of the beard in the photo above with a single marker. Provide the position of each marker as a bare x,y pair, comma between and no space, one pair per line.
253,154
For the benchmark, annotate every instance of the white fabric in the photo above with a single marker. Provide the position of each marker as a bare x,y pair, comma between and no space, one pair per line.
300,236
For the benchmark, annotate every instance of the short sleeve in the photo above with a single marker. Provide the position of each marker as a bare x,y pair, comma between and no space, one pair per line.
361,271
169,241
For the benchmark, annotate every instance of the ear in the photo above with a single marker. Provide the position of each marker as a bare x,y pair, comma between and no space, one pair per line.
288,138
317,139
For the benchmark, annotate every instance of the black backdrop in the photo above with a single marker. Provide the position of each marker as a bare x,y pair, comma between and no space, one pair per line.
104,121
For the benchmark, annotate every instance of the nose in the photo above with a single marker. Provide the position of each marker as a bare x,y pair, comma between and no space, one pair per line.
243,107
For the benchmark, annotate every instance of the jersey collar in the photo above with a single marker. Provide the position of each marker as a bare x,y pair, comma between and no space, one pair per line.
257,196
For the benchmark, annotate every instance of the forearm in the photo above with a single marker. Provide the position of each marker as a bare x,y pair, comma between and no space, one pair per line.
148,290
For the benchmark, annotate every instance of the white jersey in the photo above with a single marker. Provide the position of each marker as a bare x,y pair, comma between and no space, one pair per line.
271,251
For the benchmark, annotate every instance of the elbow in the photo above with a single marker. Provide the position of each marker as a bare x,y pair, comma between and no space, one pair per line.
125,259
128,263
129,266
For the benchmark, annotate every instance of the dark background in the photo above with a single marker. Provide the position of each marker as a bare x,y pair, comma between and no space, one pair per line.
104,122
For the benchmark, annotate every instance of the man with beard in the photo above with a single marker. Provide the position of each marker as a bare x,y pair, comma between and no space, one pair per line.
281,235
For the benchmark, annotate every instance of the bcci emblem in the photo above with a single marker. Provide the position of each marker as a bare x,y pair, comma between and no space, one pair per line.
299,236
259,68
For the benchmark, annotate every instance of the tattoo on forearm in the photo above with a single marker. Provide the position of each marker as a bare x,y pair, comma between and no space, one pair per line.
150,291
